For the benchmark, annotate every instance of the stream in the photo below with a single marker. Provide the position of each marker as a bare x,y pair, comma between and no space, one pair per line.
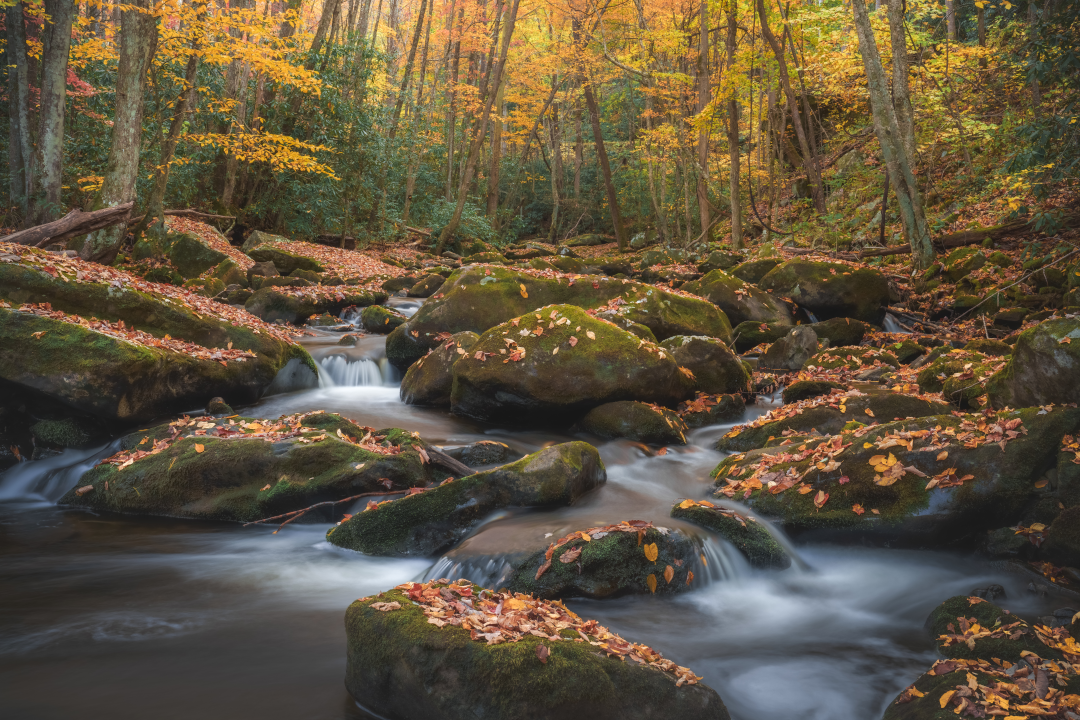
129,617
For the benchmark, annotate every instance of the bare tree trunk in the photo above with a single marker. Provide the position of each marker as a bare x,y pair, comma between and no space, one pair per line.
579,151
733,131
232,163
556,167
451,112
950,19
813,172
375,24
138,43
901,90
407,76
44,204
980,17
19,149
899,164
496,154
703,131
605,166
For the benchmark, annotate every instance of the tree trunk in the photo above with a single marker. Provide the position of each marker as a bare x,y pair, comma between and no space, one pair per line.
733,131
451,112
496,154
901,90
605,166
44,202
407,76
813,173
138,43
375,24
899,164
950,19
481,128
703,131
556,167
980,18
19,149
579,151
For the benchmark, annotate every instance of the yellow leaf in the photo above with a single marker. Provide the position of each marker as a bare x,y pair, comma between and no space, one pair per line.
805,489
1041,484
652,552
514,604
867,445
199,448
916,692
946,697
686,504
524,292
943,454
669,572
877,460
651,582
869,412
143,441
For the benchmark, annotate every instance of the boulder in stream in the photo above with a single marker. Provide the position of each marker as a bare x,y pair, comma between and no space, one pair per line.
831,290
380,319
716,369
429,380
634,421
743,531
711,409
740,301
1044,367
792,351
295,305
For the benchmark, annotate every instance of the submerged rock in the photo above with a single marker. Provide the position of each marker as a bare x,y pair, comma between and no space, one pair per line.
429,522
405,661
244,469
831,290
429,380
616,560
743,531
634,421
716,369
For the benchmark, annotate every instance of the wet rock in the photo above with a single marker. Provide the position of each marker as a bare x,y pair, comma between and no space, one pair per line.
829,414
716,369
806,389
237,478
326,320
1044,367
792,351
272,304
285,261
349,340
484,452
1005,543
402,666
381,319
634,421
711,410
840,332
430,522
754,270
953,612
479,298
430,379
740,301
610,564
218,406
743,531
990,592
831,290
186,252
403,282
560,362
427,286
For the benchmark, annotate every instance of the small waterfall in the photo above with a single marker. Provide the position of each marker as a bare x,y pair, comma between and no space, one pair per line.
796,561
47,480
892,325
340,370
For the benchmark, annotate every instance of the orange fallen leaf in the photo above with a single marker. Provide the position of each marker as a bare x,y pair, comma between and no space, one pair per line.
542,652
651,582
942,455
820,499
1065,341
869,412
524,292
661,451
689,576
857,509
669,572
651,551
875,511
84,489
571,555
199,448
573,341
265,488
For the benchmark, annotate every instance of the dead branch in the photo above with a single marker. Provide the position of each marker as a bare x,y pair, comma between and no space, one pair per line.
297,513
74,223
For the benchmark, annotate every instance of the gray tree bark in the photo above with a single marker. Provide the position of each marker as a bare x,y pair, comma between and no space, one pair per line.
19,148
733,132
901,89
703,132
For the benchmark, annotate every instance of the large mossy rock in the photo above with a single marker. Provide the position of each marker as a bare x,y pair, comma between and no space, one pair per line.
479,298
740,301
955,483
187,253
575,363
831,290
716,369
296,306
432,521
743,531
634,421
400,665
1008,646
840,332
610,564
243,478
754,270
285,262
429,380
829,414
792,351
1044,368
380,319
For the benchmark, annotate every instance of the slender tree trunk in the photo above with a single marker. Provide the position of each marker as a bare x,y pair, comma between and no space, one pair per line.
579,151
496,154
451,112
733,130
703,131
901,90
899,164
556,167
138,43
407,75
1036,90
605,166
375,24
20,155
232,163
980,17
813,173
350,20
478,134
950,19
44,204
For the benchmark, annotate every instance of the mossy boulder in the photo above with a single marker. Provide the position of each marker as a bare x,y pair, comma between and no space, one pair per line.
711,410
380,319
990,488
840,332
989,616
719,260
1063,538
754,270
716,369
65,433
743,531
831,290
479,298
260,272
806,389
402,282
989,347
740,301
962,262
558,362
312,277
612,564
588,240
258,238
828,415
853,358
634,421
272,304
229,273
429,380
484,257
207,287
285,262
401,666
432,521
483,452
427,286
242,479
187,253
792,351
1044,367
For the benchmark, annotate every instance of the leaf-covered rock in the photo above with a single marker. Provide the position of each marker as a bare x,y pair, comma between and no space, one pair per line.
716,369
743,531
1044,367
296,305
429,380
831,290
634,421
739,300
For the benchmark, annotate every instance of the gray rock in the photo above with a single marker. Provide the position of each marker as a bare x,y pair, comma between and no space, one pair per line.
791,351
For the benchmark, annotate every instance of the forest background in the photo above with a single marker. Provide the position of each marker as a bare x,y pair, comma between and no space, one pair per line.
646,120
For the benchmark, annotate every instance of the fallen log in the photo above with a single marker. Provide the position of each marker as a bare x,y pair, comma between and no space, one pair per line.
193,214
74,223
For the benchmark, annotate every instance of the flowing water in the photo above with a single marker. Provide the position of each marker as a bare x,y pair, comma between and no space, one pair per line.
129,618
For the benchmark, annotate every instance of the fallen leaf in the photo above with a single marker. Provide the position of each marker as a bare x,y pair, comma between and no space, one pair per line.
264,488
590,334
844,480
946,697
571,555
651,551
875,511
869,412
84,489
690,577
38,335
573,341
669,572
386,607
524,292
1065,341
1041,484
942,455
820,499
542,652
199,448
857,509
651,582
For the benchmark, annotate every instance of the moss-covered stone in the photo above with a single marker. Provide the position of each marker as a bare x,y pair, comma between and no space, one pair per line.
380,319
831,290
716,369
1063,538
828,418
990,617
1044,367
792,351
427,286
67,432
240,479
720,260
479,298
611,565
271,304
430,522
483,452
489,258
806,389
285,261
429,380
312,277
588,240
740,301
853,358
744,532
988,347
754,270
207,287
962,262
187,253
401,666
574,364
229,273
840,332
711,410
634,421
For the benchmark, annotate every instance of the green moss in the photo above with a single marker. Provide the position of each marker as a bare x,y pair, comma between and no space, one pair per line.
64,433
831,290
989,616
748,536
754,270
805,389
381,319
740,301
634,421
284,261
